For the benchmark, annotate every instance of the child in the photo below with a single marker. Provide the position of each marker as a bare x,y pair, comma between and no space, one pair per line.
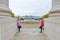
41,25
18,24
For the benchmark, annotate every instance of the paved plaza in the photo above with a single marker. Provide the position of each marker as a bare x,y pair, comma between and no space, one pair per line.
30,34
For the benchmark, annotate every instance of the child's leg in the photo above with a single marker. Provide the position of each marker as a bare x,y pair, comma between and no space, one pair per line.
41,30
19,29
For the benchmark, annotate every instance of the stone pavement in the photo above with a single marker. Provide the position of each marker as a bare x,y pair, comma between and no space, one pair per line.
29,34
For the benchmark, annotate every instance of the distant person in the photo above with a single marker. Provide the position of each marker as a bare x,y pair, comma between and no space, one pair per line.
18,24
41,25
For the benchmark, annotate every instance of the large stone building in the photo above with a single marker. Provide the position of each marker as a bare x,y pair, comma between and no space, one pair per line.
7,23
55,11
4,8
52,24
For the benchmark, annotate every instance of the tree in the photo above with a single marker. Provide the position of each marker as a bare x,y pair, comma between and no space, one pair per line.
22,19
45,16
12,14
15,16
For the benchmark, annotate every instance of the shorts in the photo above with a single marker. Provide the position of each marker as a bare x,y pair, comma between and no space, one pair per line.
40,27
19,26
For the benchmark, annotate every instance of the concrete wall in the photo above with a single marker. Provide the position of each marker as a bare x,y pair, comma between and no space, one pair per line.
52,24
7,23
7,27
52,29
55,5
4,2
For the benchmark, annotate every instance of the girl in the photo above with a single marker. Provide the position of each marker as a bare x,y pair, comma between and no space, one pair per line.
18,24
41,25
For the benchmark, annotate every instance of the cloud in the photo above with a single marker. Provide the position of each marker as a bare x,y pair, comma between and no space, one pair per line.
30,7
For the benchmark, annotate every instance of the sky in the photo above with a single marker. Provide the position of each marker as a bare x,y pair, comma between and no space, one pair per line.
30,7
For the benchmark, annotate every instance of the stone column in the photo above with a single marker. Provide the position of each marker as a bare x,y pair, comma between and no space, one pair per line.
55,11
52,24
7,23
4,8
